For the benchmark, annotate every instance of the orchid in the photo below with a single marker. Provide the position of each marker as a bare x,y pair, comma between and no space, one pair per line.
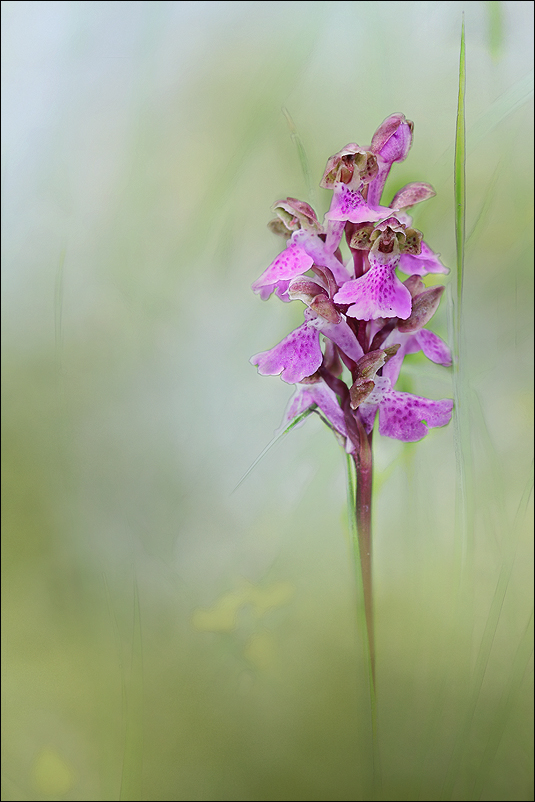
360,319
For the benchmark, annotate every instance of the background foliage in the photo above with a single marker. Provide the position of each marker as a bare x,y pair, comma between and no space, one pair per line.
163,637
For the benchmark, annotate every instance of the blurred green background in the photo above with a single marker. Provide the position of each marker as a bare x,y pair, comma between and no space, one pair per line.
163,637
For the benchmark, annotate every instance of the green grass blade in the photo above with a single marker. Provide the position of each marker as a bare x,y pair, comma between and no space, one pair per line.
460,385
270,445
463,529
460,388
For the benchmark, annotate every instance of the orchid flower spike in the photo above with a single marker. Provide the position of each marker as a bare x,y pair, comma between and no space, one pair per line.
361,319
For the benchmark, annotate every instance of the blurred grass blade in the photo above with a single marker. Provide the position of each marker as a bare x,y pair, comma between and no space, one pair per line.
460,187
259,115
303,159
496,33
509,549
485,207
58,310
521,659
132,774
270,445
506,104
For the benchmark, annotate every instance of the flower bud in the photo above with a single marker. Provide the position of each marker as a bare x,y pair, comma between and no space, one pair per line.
391,351
331,358
324,307
296,214
304,289
415,285
360,391
393,138
369,364
424,306
327,277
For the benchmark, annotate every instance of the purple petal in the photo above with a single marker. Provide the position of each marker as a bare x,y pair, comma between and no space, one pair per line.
422,263
433,347
393,366
280,288
335,229
415,192
368,412
378,293
295,357
391,143
369,408
321,395
327,401
299,402
293,261
393,138
348,204
339,333
318,251
408,417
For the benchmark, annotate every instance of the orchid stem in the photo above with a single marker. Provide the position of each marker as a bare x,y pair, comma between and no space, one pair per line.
362,551
363,518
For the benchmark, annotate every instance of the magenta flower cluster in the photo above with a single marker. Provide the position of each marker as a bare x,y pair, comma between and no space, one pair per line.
368,318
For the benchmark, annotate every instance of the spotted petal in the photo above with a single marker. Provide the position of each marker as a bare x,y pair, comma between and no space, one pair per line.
378,293
434,348
295,357
335,229
348,204
408,417
293,261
